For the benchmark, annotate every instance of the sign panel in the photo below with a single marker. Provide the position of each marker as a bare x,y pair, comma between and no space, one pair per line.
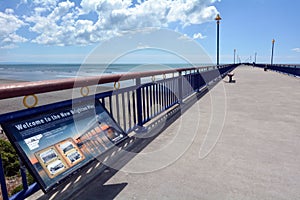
56,142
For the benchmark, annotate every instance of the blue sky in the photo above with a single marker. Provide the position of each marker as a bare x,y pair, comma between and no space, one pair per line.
52,31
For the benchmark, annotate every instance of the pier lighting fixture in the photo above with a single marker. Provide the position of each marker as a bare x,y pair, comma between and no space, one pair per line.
218,19
273,42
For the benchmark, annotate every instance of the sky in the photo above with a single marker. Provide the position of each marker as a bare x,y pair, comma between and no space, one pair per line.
67,31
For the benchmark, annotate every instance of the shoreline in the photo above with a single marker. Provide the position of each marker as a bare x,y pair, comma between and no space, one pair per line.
16,103
8,81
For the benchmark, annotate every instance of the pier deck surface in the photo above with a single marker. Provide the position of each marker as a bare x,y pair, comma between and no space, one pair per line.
239,141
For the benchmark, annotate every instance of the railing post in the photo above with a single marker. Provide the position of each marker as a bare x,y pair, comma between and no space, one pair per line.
180,79
139,102
3,182
23,175
198,80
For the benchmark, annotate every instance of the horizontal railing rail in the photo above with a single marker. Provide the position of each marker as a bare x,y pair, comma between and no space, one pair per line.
131,106
27,88
282,68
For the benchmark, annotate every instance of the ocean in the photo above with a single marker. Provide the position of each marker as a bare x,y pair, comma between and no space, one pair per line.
38,72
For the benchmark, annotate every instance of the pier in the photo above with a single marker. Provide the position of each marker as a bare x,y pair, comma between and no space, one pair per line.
255,157
227,140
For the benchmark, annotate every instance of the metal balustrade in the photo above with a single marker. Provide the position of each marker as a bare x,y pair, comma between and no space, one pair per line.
282,68
131,106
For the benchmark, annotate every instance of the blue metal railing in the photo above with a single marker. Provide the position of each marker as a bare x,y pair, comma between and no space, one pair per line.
282,68
134,106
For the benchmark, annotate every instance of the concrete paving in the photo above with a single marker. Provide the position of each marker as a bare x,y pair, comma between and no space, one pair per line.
239,141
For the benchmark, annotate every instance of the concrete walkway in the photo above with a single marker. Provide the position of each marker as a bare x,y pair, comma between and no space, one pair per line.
239,141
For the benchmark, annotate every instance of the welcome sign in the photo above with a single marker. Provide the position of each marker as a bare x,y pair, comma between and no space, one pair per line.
57,141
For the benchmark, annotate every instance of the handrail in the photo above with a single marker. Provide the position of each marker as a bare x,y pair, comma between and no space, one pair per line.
130,106
282,68
27,88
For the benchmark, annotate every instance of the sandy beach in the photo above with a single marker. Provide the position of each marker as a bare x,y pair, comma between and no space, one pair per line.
14,104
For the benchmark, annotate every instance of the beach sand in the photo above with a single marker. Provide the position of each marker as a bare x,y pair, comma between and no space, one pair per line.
14,104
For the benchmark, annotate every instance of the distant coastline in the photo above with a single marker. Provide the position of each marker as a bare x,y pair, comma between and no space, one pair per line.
37,72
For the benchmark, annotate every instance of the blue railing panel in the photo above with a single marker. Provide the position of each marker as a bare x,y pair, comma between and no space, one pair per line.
287,69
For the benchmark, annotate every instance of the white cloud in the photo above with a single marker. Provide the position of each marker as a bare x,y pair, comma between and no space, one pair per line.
296,50
56,28
199,36
61,10
65,23
185,37
195,36
9,24
191,12
142,46
45,3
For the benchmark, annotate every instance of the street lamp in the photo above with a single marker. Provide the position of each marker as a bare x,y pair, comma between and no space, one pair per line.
234,52
273,41
218,18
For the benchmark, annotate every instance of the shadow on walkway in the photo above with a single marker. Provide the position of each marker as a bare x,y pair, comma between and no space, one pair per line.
89,182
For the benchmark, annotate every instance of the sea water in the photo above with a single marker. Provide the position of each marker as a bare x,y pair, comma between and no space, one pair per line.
38,72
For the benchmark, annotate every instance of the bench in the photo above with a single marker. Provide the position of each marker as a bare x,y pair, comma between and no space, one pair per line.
230,75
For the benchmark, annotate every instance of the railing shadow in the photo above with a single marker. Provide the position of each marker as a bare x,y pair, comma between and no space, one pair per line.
93,186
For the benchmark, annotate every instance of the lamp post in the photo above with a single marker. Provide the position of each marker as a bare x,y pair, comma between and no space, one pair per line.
273,41
234,52
255,57
218,18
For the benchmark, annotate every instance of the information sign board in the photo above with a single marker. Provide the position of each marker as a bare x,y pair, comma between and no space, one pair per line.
56,142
